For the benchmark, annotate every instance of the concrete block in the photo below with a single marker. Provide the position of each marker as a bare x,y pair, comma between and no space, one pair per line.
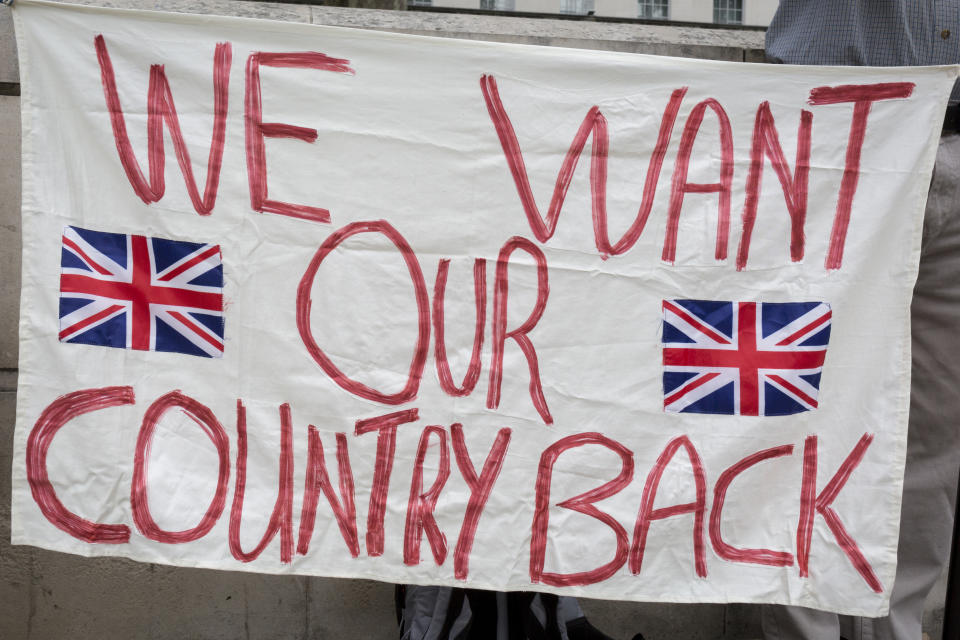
9,229
15,563
351,608
755,55
55,595
117,598
8,380
8,47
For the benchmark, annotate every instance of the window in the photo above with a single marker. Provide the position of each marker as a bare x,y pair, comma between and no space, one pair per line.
576,7
728,11
497,5
653,9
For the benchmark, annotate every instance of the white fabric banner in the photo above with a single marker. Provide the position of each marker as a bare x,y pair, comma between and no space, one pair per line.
300,299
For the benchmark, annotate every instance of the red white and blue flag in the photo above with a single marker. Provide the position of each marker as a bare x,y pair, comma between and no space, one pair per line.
743,358
136,292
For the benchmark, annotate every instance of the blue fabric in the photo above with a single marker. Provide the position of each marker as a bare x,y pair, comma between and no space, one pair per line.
777,403
777,315
876,33
717,313
720,402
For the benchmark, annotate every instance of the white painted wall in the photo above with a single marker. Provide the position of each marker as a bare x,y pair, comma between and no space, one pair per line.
616,8
759,12
691,10
457,4
534,6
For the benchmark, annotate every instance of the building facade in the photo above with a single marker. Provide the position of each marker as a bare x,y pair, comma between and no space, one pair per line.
745,12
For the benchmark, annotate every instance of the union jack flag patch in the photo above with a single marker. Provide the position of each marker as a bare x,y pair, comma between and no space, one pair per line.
743,358
136,292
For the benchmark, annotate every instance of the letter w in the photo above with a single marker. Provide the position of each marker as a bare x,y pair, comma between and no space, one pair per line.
160,109
594,124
